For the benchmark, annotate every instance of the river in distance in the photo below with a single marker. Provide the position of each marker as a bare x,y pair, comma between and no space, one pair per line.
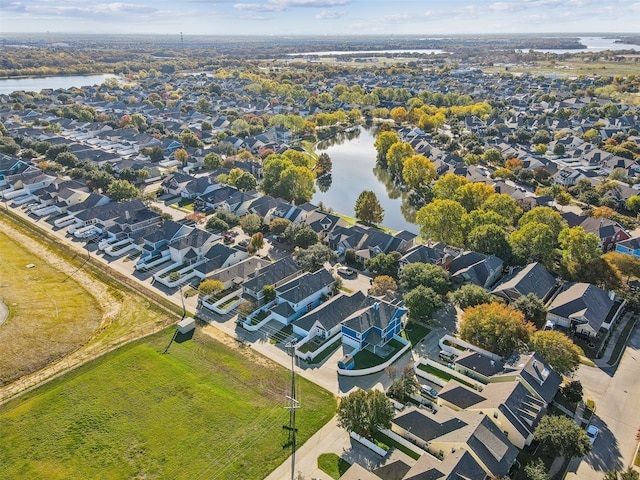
354,170
35,84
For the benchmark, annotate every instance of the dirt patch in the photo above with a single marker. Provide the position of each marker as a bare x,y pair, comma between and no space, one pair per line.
235,344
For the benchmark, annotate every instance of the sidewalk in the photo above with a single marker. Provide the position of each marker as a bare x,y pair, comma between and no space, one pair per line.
603,362
329,439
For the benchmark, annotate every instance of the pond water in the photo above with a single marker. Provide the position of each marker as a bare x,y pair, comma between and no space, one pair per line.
354,170
35,84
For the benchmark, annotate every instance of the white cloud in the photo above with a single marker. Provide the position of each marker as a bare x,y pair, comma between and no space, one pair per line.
329,15
280,5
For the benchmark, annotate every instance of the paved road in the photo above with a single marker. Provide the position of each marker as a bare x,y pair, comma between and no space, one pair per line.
617,396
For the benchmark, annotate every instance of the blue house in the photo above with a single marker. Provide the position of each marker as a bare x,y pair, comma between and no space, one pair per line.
629,247
373,326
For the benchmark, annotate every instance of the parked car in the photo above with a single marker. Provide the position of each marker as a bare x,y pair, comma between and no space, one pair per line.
243,243
346,271
432,392
592,433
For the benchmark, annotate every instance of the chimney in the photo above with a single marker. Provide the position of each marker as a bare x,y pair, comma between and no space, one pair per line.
127,215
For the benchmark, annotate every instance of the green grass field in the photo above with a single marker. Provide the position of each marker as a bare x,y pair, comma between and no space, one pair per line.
205,410
47,318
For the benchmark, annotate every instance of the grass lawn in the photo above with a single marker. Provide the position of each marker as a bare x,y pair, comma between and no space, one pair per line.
366,359
332,465
622,341
387,442
47,318
204,410
327,352
415,332
442,374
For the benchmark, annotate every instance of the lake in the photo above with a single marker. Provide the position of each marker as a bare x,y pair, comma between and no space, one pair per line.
367,52
354,170
35,84
593,44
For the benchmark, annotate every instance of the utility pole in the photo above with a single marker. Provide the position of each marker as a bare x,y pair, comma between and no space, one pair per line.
292,407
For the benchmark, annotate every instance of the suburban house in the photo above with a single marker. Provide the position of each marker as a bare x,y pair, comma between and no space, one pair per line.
399,466
275,273
326,320
236,274
476,268
300,295
155,245
630,246
373,326
514,410
220,256
22,186
532,278
585,309
608,231
447,432
192,247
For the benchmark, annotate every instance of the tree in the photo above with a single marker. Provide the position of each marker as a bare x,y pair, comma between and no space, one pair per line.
251,223
472,195
425,274
559,149
314,257
203,105
627,265
547,216
384,264
470,295
402,388
572,391
559,435
495,327
383,143
493,157
422,302
181,156
120,190
396,156
490,240
442,221
323,164
445,187
257,242
556,349
503,205
368,208
536,470
533,242
279,225
365,411
209,287
633,204
578,248
216,224
245,182
67,159
418,172
212,161
383,285
300,234
269,292
533,309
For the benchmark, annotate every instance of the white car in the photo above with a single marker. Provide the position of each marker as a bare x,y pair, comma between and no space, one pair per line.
592,433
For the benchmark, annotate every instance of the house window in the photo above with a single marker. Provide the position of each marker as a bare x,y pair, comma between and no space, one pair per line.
495,414
309,307
506,434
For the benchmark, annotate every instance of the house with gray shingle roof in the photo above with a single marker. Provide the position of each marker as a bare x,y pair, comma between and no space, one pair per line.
532,278
585,309
447,432
301,295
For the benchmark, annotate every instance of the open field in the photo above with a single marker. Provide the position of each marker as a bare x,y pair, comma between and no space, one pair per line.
49,315
117,313
206,410
574,66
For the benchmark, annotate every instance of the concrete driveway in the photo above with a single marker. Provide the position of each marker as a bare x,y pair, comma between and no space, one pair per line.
616,392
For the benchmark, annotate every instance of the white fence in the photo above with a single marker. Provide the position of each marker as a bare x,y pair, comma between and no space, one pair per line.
377,368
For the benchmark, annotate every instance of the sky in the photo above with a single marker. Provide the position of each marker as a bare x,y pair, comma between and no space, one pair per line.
319,17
